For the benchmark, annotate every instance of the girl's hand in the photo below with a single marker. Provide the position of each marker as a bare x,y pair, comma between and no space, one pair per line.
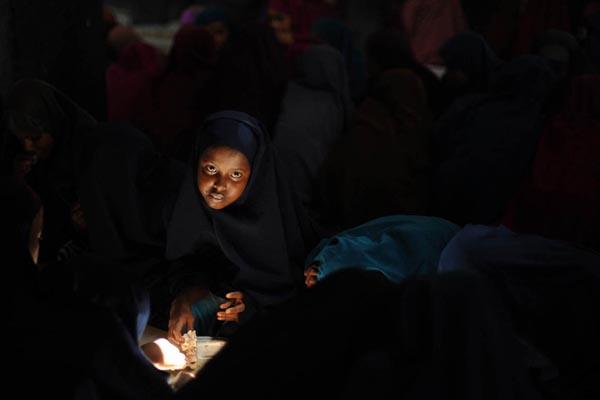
181,317
231,310
311,275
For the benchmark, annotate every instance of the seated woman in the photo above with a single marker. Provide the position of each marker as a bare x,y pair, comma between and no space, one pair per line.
88,334
398,246
552,290
57,138
236,230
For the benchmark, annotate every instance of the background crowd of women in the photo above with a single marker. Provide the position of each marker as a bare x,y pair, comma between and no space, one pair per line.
420,215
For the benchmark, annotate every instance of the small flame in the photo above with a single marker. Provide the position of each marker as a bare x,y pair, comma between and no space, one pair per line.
172,358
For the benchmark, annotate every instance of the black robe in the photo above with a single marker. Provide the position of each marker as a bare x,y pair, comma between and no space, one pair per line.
35,106
264,235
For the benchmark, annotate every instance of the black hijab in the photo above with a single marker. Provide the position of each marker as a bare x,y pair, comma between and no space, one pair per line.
390,49
35,107
263,234
469,53
251,75
484,144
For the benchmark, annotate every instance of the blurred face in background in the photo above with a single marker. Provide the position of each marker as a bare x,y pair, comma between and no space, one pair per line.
40,144
282,25
219,31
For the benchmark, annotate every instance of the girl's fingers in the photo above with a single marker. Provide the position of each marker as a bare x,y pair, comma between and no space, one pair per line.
235,295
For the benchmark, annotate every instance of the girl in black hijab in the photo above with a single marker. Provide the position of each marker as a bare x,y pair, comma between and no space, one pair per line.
57,138
236,220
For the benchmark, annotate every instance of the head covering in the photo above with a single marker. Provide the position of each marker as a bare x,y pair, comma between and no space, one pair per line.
553,44
129,80
335,33
469,53
188,16
263,234
486,143
322,68
127,194
36,106
392,127
211,14
177,108
229,133
121,36
251,75
193,48
429,24
316,113
303,13
561,195
389,49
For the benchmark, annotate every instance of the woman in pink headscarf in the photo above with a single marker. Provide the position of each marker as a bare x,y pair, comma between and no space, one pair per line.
429,24
177,107
131,75
561,198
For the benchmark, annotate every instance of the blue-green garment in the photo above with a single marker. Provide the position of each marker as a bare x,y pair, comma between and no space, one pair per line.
398,246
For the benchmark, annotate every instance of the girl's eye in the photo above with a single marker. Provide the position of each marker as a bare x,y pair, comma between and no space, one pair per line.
210,169
236,174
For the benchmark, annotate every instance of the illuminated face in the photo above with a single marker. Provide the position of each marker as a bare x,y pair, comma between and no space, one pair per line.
282,26
223,174
219,32
35,235
39,144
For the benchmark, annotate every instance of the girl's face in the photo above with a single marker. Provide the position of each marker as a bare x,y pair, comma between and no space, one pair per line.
38,144
223,174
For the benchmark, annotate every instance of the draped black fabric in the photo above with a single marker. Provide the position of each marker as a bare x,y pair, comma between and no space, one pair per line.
250,75
470,54
444,337
263,234
382,167
316,112
34,106
485,143
18,207
76,329
390,49
552,291
128,193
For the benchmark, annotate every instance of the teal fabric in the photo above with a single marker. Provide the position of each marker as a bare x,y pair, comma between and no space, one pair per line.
205,311
398,246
